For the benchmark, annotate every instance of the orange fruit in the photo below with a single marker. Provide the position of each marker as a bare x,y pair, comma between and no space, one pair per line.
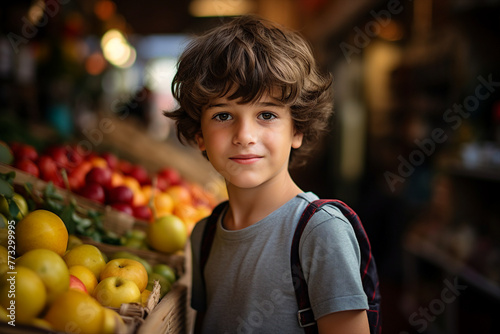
29,293
167,234
99,162
76,312
139,198
180,194
116,179
147,190
163,204
85,275
88,256
73,241
132,183
41,229
50,267
186,212
144,296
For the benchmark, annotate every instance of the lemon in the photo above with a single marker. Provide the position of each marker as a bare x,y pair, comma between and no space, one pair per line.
41,229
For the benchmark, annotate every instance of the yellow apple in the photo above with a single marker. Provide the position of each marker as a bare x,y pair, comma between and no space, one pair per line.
126,268
113,322
76,312
22,294
129,255
114,291
50,267
88,256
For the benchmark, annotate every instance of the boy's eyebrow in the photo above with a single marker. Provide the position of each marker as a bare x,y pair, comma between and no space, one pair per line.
258,104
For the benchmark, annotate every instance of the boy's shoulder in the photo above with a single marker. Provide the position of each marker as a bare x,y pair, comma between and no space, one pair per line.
325,212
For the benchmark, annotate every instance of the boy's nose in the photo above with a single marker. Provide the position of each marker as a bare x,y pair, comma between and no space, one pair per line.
244,133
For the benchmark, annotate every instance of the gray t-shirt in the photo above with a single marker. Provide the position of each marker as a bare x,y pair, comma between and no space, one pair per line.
248,275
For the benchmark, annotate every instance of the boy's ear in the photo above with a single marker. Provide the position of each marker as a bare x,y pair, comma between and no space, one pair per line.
297,139
200,141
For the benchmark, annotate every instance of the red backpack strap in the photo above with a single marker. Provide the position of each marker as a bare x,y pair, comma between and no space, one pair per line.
305,314
368,270
208,236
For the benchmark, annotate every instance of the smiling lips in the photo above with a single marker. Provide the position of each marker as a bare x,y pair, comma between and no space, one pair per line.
246,159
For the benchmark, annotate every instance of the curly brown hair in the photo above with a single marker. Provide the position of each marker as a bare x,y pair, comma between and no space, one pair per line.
257,57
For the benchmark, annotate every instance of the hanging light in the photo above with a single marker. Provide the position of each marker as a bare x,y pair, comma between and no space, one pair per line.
218,8
117,50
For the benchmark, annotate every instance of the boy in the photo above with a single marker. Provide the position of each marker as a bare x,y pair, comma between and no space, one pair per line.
253,101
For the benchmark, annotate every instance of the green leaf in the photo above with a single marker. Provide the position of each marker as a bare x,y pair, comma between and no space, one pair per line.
6,189
67,217
8,177
13,208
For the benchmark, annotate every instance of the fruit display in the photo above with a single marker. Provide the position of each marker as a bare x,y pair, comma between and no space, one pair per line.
73,290
67,281
115,182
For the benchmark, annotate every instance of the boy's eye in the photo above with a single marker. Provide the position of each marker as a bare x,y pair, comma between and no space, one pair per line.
222,117
267,116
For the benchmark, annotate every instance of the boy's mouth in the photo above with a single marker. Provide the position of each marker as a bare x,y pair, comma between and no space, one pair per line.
245,159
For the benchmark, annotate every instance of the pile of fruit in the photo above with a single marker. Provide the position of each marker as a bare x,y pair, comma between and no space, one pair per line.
51,279
109,180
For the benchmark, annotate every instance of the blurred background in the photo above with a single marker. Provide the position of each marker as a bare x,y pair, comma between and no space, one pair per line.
414,146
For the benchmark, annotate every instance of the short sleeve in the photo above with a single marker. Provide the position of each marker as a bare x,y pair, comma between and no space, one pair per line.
330,257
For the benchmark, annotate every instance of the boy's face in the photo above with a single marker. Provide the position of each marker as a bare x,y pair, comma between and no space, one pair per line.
249,144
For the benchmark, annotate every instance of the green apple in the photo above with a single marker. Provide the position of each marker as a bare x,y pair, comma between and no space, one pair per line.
136,234
114,291
135,243
166,271
165,285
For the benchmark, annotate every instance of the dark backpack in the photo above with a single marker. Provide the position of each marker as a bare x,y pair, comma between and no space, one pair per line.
368,270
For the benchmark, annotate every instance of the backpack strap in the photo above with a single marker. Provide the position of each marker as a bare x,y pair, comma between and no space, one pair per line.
208,236
368,270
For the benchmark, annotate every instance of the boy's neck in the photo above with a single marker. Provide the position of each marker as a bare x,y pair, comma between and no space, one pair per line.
248,206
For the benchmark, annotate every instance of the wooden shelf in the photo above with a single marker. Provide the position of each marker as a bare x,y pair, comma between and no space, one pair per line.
428,251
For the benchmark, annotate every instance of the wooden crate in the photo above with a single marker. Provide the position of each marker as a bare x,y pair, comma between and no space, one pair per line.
169,316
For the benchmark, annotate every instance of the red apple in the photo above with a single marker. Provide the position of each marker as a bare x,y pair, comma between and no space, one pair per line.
58,153
24,151
49,171
124,166
28,166
111,159
75,155
93,191
140,174
143,212
100,176
168,177
77,284
123,207
120,194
